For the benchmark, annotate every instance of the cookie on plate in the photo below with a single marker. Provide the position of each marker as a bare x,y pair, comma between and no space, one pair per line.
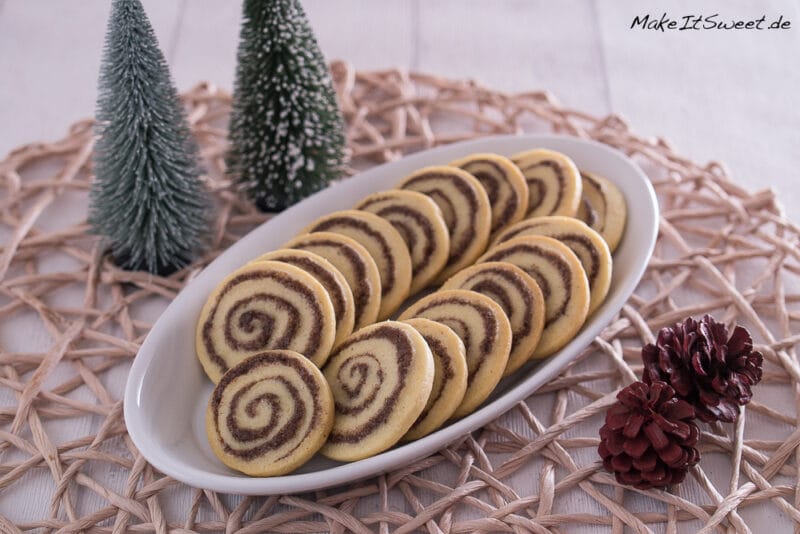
554,183
449,377
519,296
419,220
269,414
381,378
560,276
465,208
482,326
356,265
385,245
603,208
264,305
331,279
504,184
587,244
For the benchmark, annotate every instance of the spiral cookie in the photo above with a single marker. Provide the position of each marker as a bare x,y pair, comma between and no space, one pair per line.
269,414
519,296
603,208
465,208
482,326
553,181
504,184
356,265
587,244
381,378
331,279
561,278
449,377
420,222
264,305
385,245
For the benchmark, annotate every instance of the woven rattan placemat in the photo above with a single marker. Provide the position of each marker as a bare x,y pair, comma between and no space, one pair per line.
68,465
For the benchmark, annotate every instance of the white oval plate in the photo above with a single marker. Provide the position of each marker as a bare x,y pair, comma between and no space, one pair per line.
167,391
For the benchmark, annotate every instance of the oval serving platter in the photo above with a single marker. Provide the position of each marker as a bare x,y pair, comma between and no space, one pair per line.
167,391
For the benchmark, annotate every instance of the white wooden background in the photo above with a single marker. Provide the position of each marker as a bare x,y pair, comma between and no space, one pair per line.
731,96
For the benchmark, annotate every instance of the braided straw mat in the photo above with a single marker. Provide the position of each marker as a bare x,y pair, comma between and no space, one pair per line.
71,323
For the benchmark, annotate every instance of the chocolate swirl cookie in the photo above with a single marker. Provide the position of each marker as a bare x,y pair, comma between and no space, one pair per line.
385,245
561,278
587,244
519,296
504,184
465,208
269,414
483,327
449,376
381,378
553,181
264,305
419,220
356,265
603,208
331,279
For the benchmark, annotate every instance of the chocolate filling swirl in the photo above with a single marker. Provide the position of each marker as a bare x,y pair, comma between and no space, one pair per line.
478,345
461,225
494,181
501,292
288,419
250,323
556,261
593,218
386,256
538,183
356,263
361,375
413,226
448,373
322,275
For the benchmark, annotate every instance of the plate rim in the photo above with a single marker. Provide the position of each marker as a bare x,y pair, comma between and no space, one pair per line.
395,457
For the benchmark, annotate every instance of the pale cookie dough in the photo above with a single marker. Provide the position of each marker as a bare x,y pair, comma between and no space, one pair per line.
331,279
589,246
603,208
519,296
356,265
381,378
561,278
419,220
465,208
482,326
264,305
504,184
554,182
385,245
449,377
269,414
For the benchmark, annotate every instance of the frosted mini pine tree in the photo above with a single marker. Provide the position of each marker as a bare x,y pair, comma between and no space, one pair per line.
286,130
147,200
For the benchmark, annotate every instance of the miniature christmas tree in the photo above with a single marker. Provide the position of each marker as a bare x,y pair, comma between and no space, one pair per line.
147,200
286,131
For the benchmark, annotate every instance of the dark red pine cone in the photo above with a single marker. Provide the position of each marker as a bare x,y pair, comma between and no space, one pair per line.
649,436
706,369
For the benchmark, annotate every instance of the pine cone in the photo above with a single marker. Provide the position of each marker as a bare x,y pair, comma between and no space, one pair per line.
649,436
706,369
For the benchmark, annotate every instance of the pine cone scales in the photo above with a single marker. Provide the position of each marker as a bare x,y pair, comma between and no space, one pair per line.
705,367
649,436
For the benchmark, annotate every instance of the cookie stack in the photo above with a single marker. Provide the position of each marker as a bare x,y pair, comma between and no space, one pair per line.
299,341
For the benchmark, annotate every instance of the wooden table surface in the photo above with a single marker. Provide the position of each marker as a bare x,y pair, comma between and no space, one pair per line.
731,96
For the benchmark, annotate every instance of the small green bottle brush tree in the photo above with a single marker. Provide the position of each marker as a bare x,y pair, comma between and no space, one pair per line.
147,200
286,130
